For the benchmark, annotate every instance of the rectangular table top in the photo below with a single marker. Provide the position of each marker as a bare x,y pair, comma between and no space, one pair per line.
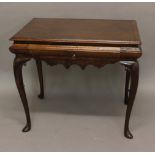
98,31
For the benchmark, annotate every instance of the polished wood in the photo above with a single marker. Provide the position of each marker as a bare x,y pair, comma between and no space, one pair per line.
40,74
66,50
127,89
134,71
80,31
82,42
19,61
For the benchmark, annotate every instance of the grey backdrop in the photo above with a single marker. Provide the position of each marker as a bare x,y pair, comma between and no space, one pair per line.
82,110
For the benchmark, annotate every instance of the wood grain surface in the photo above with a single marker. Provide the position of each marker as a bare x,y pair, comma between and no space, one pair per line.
80,31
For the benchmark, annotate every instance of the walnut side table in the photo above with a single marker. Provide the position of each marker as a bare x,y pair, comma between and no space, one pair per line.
78,41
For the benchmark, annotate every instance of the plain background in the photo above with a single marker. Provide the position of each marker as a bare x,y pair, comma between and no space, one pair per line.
82,110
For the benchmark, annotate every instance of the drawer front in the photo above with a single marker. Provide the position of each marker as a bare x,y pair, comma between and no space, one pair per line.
74,52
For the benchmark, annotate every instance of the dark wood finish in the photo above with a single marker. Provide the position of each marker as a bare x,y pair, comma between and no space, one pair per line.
17,65
134,71
80,31
127,89
82,42
123,53
40,74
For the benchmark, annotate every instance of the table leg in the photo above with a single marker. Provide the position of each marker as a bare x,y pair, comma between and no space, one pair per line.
134,72
127,89
40,74
17,65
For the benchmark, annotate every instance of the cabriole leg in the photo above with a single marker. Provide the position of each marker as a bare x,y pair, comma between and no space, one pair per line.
133,67
40,74
17,65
